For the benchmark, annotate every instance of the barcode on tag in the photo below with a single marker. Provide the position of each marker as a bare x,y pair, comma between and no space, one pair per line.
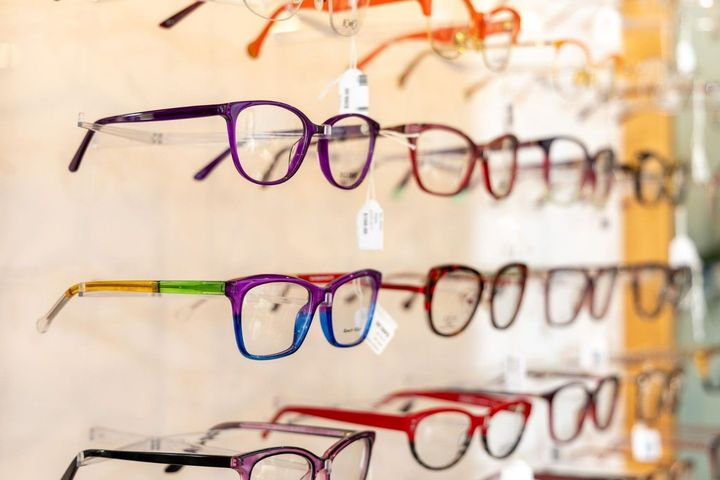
370,233
354,92
381,331
646,444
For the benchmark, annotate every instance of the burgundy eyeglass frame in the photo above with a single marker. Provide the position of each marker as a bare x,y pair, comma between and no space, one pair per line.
588,298
476,153
437,273
589,409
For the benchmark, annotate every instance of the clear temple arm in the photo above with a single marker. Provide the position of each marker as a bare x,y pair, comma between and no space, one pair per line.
141,287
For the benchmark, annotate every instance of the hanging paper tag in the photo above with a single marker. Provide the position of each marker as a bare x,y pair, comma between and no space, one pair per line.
354,92
646,444
594,354
370,226
516,470
515,371
381,331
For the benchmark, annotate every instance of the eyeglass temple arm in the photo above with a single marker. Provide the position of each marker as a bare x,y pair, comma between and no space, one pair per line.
410,300
370,56
174,19
217,461
357,417
190,287
178,113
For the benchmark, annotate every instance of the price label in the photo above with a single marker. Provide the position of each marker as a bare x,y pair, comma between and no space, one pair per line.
382,330
646,444
370,233
354,92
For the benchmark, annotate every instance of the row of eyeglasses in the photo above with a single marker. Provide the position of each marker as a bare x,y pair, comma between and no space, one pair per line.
439,425
272,313
268,141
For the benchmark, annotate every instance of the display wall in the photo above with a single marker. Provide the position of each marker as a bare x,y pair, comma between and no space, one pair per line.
166,364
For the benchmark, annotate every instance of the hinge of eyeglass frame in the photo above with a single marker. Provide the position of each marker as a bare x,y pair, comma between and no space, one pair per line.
325,130
80,459
328,298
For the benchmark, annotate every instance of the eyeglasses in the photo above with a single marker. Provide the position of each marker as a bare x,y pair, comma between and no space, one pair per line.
439,437
571,404
454,292
709,443
348,458
271,313
655,179
346,17
256,131
657,391
492,33
572,75
443,159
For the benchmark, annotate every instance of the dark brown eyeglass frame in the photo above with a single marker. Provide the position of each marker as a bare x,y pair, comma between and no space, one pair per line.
669,170
667,401
437,273
588,298
671,284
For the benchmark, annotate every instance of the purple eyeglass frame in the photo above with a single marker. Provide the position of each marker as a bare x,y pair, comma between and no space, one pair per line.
244,464
230,112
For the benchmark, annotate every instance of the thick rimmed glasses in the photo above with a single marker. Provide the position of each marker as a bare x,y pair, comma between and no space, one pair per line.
271,313
348,458
440,437
571,404
256,131
443,158
453,293
657,391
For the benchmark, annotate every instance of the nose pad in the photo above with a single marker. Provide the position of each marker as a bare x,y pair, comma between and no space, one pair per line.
326,316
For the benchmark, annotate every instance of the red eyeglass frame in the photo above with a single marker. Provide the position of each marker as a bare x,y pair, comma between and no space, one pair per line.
408,422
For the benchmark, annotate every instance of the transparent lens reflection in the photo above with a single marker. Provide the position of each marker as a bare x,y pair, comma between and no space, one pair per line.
267,139
444,159
569,407
351,309
282,467
269,315
440,439
454,301
349,150
566,290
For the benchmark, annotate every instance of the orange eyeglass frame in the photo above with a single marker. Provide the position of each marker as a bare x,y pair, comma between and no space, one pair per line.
478,28
254,47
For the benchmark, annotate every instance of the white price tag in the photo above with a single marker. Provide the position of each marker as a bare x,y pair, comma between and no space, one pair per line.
646,444
594,354
515,371
370,232
381,331
517,470
354,92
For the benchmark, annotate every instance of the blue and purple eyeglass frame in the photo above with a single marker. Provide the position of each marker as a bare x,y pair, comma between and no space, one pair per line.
235,290
367,129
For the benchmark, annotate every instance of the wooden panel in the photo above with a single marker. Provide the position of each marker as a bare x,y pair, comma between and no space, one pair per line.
648,231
